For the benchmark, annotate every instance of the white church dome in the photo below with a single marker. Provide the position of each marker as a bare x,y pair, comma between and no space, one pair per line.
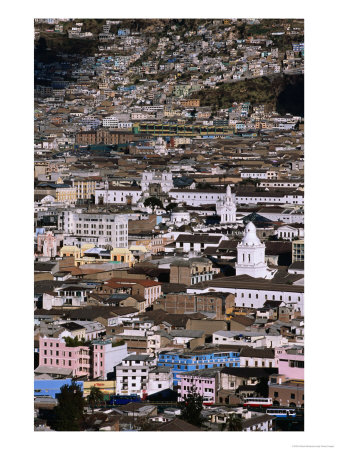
250,237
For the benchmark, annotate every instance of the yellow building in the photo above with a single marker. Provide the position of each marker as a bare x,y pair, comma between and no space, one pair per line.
122,255
82,259
66,195
106,387
190,102
85,188
70,250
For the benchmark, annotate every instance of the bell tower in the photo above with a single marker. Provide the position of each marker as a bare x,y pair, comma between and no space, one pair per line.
227,208
251,255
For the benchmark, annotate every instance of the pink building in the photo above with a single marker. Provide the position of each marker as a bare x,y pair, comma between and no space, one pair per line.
54,354
290,362
94,361
204,382
47,244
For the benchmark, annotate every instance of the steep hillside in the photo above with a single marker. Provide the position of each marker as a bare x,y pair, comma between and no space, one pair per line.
282,93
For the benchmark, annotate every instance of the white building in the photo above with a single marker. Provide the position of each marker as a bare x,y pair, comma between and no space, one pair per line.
165,179
290,232
249,338
132,375
159,378
269,198
179,216
251,255
253,293
259,174
286,215
197,242
110,121
160,147
197,197
107,357
227,208
98,228
123,195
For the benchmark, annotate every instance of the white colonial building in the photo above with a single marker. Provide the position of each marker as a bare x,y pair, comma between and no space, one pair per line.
122,195
198,197
165,179
226,208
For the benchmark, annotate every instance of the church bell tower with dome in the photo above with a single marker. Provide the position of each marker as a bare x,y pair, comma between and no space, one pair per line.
251,255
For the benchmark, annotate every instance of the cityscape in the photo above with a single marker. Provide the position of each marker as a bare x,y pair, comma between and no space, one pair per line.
169,225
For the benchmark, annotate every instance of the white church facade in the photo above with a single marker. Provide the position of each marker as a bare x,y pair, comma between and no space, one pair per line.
226,208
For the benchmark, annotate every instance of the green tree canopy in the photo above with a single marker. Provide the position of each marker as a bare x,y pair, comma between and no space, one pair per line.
262,387
153,202
170,206
95,397
75,342
191,409
69,412
234,423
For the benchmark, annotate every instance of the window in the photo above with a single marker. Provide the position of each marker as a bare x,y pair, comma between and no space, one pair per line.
292,396
275,394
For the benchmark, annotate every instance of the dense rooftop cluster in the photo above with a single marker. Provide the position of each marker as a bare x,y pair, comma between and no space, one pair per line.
169,223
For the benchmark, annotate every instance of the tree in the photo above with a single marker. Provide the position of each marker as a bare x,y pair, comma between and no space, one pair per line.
69,412
262,387
234,423
95,397
191,409
75,342
153,202
170,206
